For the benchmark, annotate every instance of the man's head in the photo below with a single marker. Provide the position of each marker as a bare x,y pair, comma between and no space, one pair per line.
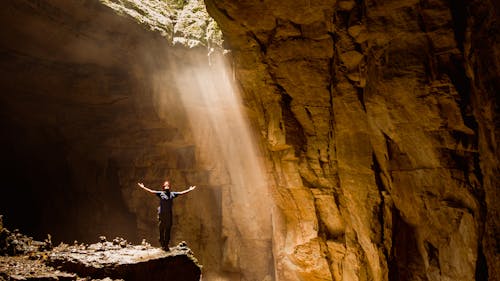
166,185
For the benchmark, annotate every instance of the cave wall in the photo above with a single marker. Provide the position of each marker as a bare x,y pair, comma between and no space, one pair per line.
379,123
482,66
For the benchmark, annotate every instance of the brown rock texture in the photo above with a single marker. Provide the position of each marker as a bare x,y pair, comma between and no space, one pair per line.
379,122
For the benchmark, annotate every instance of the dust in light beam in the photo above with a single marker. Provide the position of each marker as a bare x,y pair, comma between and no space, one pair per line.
225,146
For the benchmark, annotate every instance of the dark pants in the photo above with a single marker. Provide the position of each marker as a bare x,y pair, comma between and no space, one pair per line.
165,225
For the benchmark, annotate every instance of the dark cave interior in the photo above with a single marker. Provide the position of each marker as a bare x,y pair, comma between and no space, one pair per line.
67,93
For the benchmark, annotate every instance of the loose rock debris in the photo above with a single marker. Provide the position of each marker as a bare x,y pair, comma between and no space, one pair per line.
23,258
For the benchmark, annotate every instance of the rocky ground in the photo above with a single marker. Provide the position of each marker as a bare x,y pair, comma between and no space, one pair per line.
26,259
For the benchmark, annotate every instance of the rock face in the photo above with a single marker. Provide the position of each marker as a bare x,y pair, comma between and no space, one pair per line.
377,122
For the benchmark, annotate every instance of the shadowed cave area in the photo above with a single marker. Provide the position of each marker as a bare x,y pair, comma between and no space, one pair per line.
64,102
328,140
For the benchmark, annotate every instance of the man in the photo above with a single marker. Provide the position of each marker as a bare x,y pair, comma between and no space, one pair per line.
165,210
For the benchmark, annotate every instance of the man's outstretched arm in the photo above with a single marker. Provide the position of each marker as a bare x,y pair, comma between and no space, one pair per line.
145,188
187,190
